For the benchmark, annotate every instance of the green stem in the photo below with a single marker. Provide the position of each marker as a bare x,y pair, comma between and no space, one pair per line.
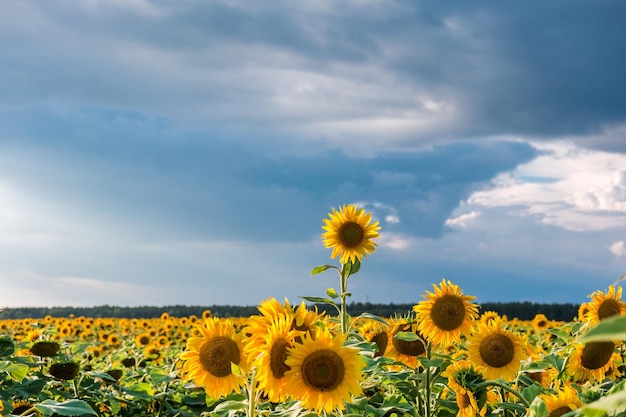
506,388
343,313
252,396
428,354
167,386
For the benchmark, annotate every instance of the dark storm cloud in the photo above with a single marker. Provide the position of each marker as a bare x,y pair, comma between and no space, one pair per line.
220,189
533,69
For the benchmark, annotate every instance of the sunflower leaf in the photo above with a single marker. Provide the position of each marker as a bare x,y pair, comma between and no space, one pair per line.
407,336
613,402
322,268
67,408
373,317
612,328
318,300
350,268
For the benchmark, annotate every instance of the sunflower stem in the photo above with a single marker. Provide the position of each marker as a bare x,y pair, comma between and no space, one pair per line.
343,294
428,355
252,396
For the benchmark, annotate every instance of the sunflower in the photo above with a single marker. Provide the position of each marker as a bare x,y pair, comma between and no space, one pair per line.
463,376
64,371
563,401
488,316
544,377
591,361
45,349
270,358
583,310
376,333
323,373
143,339
405,351
445,314
605,304
540,322
22,406
207,359
497,350
349,232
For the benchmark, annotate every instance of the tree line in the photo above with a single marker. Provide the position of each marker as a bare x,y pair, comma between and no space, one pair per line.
521,310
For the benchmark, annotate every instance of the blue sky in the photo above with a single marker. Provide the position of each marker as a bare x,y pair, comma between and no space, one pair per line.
156,152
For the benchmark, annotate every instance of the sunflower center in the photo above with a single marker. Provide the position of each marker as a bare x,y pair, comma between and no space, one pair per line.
414,348
382,340
541,324
351,234
535,376
278,355
560,411
323,370
596,354
448,312
497,350
608,308
463,400
216,355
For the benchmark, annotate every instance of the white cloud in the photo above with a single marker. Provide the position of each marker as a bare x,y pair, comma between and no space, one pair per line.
566,186
395,241
611,196
618,248
462,220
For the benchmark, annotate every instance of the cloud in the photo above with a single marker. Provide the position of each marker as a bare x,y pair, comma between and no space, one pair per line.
611,197
617,248
364,77
565,186
462,220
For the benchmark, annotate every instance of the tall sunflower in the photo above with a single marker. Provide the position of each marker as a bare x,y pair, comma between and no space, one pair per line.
207,359
590,361
497,350
349,232
562,401
271,355
605,304
323,374
463,376
445,314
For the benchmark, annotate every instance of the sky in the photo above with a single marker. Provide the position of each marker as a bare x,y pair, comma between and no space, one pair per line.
159,152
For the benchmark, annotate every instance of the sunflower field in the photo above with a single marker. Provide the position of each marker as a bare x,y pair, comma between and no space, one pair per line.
445,357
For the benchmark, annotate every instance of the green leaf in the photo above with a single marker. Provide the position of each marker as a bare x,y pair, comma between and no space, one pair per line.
538,408
407,336
230,405
609,329
115,405
67,408
141,390
332,293
158,376
322,268
17,371
7,347
355,267
318,300
613,402
373,317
